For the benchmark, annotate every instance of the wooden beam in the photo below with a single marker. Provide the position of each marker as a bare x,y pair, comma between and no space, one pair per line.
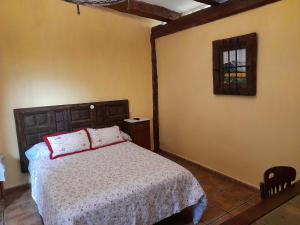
147,10
208,15
208,2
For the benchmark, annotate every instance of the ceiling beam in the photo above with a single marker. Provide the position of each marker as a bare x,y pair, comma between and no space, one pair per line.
208,2
207,15
147,10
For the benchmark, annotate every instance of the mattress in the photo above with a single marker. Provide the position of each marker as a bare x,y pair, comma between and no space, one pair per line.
122,184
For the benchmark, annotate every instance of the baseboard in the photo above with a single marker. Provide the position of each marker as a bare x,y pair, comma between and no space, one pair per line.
196,164
18,188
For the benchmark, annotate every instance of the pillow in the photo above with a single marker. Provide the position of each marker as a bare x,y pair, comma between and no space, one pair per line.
105,136
63,144
37,152
126,136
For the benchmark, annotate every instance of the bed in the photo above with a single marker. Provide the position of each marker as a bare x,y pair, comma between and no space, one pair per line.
121,184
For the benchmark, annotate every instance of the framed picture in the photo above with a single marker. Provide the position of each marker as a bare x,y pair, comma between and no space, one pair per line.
234,65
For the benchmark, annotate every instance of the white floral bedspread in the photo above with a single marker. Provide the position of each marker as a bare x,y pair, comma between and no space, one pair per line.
122,184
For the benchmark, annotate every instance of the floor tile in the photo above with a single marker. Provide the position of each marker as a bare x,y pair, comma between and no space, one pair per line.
295,202
255,199
212,213
229,200
240,209
286,214
221,219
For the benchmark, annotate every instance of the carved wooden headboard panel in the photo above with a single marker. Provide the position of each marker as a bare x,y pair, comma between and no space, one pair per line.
33,124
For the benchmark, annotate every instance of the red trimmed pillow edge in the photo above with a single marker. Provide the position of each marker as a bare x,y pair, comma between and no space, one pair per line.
45,138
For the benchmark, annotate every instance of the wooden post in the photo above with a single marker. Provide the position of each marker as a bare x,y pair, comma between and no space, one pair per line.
155,96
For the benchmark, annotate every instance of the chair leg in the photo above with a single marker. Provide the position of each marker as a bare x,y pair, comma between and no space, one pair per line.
262,191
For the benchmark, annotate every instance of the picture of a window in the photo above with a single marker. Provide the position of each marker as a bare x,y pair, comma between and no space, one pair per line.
235,65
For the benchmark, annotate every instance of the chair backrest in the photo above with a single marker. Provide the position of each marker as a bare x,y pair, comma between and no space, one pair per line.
277,179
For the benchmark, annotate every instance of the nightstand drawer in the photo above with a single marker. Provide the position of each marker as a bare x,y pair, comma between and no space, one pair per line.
139,131
140,127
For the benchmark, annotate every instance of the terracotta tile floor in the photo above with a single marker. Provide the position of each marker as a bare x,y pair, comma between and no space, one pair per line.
226,198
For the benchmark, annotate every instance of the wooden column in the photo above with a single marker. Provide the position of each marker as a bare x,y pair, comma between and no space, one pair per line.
155,96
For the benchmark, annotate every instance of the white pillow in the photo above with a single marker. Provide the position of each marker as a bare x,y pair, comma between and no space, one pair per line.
126,136
105,136
64,144
37,152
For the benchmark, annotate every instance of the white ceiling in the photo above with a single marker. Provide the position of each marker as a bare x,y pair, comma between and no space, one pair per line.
181,6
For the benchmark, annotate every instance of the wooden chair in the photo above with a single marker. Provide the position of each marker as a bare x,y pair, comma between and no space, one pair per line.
276,179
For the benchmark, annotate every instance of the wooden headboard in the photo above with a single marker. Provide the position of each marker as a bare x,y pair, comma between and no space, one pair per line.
33,124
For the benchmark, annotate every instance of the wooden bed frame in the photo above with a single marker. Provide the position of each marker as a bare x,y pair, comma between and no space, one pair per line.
33,124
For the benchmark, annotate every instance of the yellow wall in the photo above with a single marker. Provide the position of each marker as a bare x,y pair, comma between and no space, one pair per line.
238,136
50,56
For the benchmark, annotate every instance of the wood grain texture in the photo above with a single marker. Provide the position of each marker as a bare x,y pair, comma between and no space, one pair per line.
208,15
33,124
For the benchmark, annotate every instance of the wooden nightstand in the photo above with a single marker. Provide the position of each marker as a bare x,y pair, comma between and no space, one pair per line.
139,131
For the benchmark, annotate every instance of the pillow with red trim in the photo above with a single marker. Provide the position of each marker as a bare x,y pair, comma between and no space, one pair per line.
105,136
63,144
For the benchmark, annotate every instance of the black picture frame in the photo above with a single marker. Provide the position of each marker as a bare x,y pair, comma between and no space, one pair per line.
235,65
